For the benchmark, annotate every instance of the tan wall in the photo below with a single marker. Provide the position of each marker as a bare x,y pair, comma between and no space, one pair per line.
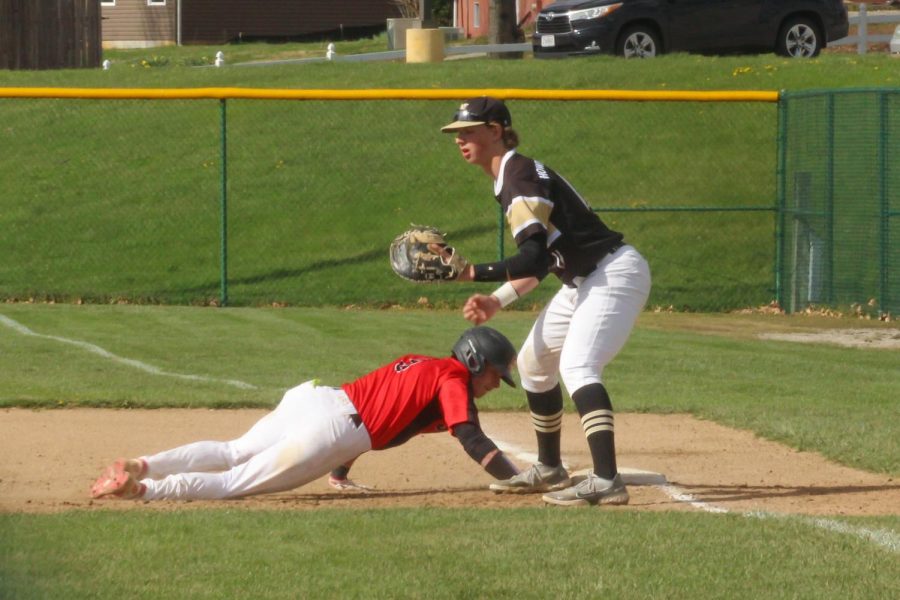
131,23
49,34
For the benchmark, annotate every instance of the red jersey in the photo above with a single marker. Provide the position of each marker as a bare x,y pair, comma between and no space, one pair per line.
413,394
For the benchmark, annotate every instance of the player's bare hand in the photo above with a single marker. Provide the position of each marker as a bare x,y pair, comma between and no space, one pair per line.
479,308
348,485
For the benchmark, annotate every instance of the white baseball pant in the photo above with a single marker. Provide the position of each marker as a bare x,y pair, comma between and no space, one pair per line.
309,433
582,328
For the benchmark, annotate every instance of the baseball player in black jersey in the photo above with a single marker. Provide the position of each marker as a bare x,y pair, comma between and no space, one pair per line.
605,285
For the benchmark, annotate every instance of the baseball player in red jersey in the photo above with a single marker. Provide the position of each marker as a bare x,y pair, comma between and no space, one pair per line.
605,285
316,428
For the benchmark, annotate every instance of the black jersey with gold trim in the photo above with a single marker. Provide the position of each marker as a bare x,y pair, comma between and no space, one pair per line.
536,199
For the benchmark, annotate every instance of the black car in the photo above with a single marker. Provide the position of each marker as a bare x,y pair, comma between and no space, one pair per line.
645,28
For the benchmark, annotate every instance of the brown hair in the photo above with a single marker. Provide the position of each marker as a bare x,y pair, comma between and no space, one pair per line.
510,138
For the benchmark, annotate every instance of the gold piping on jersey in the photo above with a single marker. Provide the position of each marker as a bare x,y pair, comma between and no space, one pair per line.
525,211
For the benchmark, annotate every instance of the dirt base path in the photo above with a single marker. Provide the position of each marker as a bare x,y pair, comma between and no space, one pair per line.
50,458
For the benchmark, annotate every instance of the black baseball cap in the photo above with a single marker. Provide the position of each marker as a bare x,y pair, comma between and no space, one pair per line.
479,111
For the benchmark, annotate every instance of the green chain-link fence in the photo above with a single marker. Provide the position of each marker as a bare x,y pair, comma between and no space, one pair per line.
106,199
840,200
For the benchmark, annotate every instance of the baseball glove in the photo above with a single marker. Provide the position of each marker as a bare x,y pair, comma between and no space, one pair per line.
415,255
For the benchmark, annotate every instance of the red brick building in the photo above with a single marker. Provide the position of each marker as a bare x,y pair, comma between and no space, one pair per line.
473,16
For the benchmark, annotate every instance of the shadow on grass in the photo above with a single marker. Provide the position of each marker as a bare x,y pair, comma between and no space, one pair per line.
379,254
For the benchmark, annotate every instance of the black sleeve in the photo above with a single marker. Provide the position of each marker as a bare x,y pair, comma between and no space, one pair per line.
499,467
340,472
478,446
532,260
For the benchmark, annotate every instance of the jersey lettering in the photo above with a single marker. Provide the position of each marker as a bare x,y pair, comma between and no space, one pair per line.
402,365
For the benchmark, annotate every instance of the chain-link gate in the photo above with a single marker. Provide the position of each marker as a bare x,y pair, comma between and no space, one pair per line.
839,200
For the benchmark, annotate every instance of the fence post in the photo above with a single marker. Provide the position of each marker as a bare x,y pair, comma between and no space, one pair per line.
223,206
862,42
884,204
780,170
829,200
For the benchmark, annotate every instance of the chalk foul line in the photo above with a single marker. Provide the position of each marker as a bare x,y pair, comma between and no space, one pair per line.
130,362
884,538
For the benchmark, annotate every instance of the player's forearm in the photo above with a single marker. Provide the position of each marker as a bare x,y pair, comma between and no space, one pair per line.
532,260
498,466
524,285
508,293
342,471
484,451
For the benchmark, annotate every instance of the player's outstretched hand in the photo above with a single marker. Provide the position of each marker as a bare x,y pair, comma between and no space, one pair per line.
479,308
348,485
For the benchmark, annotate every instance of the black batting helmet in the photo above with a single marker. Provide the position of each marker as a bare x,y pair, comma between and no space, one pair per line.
480,346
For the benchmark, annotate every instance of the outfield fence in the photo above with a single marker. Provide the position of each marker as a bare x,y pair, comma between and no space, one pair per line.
839,200
259,196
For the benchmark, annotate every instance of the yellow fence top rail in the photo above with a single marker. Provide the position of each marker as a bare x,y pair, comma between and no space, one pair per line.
387,94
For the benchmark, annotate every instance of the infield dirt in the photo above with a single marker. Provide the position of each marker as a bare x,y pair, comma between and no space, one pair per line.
51,457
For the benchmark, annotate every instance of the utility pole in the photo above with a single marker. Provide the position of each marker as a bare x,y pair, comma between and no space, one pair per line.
503,27
426,13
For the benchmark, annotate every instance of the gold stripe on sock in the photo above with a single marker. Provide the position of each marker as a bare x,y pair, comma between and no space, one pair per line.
597,420
547,423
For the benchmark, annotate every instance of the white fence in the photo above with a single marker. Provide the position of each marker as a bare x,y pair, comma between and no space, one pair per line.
862,19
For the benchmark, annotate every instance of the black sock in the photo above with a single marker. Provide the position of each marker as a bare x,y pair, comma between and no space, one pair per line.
596,412
546,417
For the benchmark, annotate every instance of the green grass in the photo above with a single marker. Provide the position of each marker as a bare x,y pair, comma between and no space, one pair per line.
432,553
309,222
108,200
834,68
833,400
238,52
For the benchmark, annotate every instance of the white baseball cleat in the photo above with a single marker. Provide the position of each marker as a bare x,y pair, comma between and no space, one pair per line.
592,490
538,478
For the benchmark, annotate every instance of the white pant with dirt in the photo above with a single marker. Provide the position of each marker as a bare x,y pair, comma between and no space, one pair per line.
309,433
